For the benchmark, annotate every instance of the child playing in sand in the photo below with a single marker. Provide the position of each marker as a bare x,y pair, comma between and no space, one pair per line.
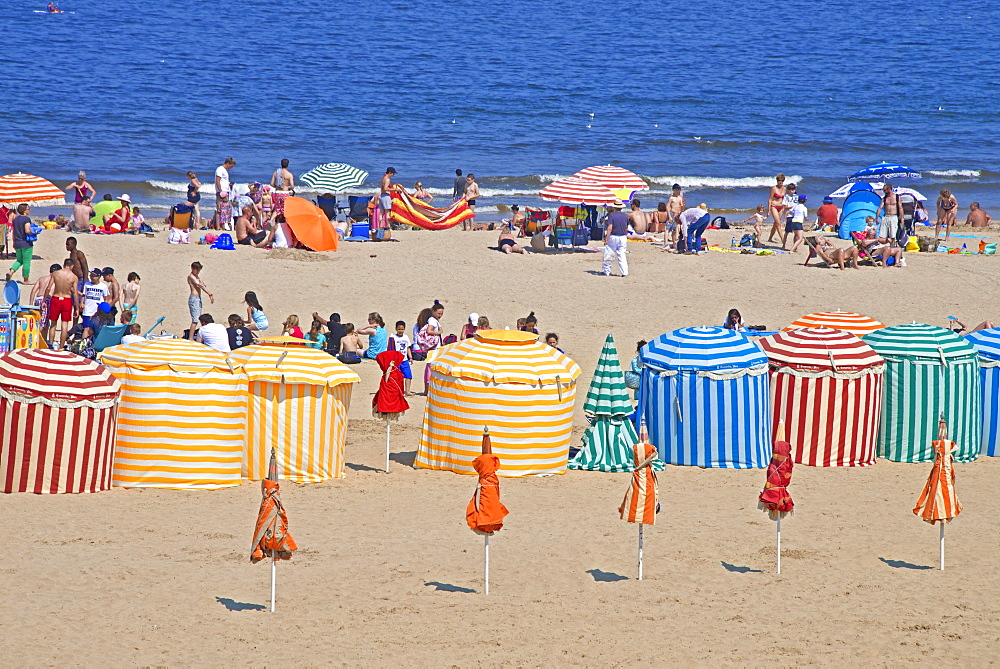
130,299
757,217
350,346
401,342
136,221
255,313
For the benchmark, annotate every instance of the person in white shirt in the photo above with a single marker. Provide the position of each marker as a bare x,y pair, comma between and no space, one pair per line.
94,292
212,334
401,342
223,205
796,223
133,335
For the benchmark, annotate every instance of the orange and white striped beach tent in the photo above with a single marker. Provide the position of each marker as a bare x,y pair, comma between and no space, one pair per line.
298,398
182,416
520,388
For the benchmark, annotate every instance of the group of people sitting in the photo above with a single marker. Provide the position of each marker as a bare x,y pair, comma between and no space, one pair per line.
866,245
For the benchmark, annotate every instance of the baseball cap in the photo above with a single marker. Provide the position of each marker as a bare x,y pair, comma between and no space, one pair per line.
803,198
108,270
828,200
95,272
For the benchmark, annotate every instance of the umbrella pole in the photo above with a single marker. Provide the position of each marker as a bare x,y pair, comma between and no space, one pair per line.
941,547
640,551
779,544
486,563
388,425
274,573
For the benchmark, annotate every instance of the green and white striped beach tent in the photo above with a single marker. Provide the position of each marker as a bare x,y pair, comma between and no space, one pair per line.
929,371
608,442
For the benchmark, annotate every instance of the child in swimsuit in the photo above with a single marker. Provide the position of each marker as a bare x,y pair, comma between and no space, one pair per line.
267,204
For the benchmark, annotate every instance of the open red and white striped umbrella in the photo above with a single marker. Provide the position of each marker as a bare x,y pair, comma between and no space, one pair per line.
614,178
18,188
573,190
847,321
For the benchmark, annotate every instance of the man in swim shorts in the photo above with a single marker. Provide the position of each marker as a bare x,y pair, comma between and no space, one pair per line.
675,205
196,285
80,267
890,208
246,232
64,297
385,197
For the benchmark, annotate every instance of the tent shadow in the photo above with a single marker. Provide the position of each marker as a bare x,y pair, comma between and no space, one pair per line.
233,605
362,468
740,570
448,587
901,564
606,576
405,458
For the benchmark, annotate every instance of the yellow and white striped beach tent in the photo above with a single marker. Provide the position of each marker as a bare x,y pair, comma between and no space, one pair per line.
182,415
523,390
297,402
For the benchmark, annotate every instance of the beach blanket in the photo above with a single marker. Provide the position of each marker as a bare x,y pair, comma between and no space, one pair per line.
279,197
408,209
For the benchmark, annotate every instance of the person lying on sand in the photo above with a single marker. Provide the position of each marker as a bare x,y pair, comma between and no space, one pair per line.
506,243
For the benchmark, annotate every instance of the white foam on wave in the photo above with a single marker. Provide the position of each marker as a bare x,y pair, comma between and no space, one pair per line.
972,174
721,182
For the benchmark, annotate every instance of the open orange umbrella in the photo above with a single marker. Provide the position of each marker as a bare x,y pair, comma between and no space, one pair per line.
310,225
485,512
270,536
640,504
775,498
18,188
938,501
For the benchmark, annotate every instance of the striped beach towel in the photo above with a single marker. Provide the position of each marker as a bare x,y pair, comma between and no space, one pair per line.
639,505
408,209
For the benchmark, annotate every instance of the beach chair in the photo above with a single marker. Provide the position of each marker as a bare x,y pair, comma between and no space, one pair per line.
180,216
110,335
535,220
328,203
875,260
358,207
814,251
155,325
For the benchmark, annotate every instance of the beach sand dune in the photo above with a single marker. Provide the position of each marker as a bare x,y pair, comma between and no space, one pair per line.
388,572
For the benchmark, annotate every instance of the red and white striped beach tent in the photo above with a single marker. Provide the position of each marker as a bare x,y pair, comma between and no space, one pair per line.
826,385
57,422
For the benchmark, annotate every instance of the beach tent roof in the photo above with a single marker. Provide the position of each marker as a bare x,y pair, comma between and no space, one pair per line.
55,375
987,343
177,354
283,340
296,364
847,321
820,349
701,349
505,356
917,340
607,395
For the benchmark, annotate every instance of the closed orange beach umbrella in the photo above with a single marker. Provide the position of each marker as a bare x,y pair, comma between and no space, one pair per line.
640,504
310,225
270,536
485,512
938,501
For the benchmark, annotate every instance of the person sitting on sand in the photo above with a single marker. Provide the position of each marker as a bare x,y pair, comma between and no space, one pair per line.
81,342
350,346
734,321
517,218
506,243
378,338
552,339
238,332
291,327
977,217
118,220
134,335
880,246
315,336
246,232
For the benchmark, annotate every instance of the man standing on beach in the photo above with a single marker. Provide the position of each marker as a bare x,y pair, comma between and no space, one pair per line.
23,249
196,285
675,205
83,211
64,297
470,195
115,288
977,217
616,240
385,197
458,190
223,207
692,223
283,179
890,209
638,218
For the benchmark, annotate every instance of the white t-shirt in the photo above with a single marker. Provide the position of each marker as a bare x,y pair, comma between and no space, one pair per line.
223,174
799,213
689,217
281,236
93,295
131,339
397,343
214,335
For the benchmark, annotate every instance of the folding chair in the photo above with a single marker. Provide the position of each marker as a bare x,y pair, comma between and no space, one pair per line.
110,335
180,216
863,255
358,207
535,220
328,203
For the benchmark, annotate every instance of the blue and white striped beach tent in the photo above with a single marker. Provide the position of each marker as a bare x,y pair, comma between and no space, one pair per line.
705,397
987,343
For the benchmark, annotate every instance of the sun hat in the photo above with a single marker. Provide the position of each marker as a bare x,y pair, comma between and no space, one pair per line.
618,204
474,318
828,200
125,198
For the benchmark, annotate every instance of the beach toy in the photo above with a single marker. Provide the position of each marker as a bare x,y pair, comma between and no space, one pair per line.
224,242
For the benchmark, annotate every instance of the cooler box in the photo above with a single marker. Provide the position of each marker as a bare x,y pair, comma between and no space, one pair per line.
361,229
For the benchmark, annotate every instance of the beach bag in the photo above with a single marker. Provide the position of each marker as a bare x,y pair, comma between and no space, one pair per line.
418,355
991,249
177,236
913,245
450,339
538,242
427,342
223,242
747,240
581,236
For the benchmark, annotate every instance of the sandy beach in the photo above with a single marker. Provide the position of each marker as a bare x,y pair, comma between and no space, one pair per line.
388,572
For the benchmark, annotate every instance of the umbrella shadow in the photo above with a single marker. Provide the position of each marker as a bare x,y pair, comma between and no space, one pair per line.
405,458
448,587
606,576
233,605
902,564
736,569
363,468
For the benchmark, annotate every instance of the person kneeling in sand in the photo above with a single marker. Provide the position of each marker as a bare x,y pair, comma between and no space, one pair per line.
506,243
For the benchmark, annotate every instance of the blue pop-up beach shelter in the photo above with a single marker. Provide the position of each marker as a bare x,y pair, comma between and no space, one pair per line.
704,395
987,343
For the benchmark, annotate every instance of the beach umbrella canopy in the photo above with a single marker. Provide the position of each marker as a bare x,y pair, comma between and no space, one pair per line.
270,535
334,177
613,178
876,186
987,343
311,226
702,349
18,188
847,321
505,356
573,190
485,512
641,504
389,400
608,394
884,171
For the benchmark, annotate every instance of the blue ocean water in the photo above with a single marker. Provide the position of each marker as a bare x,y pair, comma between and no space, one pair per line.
716,95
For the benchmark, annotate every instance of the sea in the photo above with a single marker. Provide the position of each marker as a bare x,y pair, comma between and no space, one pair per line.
715,95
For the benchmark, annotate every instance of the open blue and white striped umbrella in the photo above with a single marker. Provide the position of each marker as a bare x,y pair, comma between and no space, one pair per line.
702,349
334,177
876,187
987,343
882,171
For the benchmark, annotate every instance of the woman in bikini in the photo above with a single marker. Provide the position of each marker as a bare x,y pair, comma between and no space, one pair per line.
659,218
776,206
947,206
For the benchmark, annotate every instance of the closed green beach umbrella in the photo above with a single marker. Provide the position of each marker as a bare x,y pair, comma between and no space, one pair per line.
608,442
334,177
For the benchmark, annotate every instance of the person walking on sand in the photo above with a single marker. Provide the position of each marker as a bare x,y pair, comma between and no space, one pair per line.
977,217
81,188
196,284
24,246
223,206
458,189
947,204
194,197
616,240
890,208
471,193
283,179
776,206
796,224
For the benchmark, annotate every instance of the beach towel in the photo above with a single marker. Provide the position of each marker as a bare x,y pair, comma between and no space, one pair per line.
279,197
411,211
389,401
